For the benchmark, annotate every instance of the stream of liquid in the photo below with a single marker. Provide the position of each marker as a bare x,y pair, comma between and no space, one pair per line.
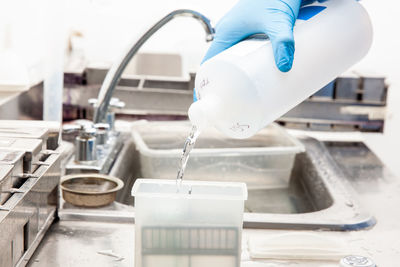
189,145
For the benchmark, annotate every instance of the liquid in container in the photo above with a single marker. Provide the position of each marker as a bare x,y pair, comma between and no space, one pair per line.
240,90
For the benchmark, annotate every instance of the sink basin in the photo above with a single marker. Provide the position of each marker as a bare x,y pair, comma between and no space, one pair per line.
316,195
306,192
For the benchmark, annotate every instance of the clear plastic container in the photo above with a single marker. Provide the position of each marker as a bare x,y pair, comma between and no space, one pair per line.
262,161
199,226
241,90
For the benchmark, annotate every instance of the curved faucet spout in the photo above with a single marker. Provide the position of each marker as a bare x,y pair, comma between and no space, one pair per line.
114,74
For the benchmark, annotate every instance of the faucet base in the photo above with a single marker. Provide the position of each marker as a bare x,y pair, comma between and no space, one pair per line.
106,156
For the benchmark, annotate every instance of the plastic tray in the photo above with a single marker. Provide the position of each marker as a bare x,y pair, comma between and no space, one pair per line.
264,160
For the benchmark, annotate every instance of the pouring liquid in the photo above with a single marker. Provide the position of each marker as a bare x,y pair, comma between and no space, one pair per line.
189,145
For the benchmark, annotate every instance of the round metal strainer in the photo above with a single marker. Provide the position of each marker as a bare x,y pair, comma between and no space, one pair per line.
90,190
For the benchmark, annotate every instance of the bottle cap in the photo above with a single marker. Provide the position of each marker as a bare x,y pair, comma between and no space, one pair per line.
356,261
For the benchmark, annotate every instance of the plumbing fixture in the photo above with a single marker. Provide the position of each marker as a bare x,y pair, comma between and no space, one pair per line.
115,103
95,147
85,142
102,130
114,74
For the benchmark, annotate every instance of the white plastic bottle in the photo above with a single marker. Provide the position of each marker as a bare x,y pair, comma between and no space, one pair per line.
241,90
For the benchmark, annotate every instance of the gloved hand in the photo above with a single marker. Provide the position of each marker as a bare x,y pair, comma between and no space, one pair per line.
275,18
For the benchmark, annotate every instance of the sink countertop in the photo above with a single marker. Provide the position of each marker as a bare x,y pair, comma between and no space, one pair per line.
80,243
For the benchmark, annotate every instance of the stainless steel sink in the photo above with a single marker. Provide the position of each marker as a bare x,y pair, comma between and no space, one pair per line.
317,196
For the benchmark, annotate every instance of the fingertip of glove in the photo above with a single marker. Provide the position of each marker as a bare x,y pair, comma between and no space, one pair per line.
284,56
285,66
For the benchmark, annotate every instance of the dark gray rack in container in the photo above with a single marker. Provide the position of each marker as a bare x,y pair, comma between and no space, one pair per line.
190,241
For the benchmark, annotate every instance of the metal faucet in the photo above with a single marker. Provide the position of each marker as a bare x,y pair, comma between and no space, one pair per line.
114,74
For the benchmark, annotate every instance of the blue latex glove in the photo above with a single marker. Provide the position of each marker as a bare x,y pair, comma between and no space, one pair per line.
275,18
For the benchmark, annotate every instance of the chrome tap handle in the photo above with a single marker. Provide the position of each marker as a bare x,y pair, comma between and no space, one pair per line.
115,103
93,102
85,141
85,145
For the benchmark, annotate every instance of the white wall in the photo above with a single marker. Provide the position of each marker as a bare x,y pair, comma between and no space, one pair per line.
109,26
384,58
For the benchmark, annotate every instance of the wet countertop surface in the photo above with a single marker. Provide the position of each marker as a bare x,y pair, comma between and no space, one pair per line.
88,243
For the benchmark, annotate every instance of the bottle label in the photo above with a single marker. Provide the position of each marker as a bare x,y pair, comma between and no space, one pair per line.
238,127
204,82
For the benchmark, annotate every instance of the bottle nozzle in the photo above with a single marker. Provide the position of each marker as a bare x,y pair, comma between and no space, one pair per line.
197,115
